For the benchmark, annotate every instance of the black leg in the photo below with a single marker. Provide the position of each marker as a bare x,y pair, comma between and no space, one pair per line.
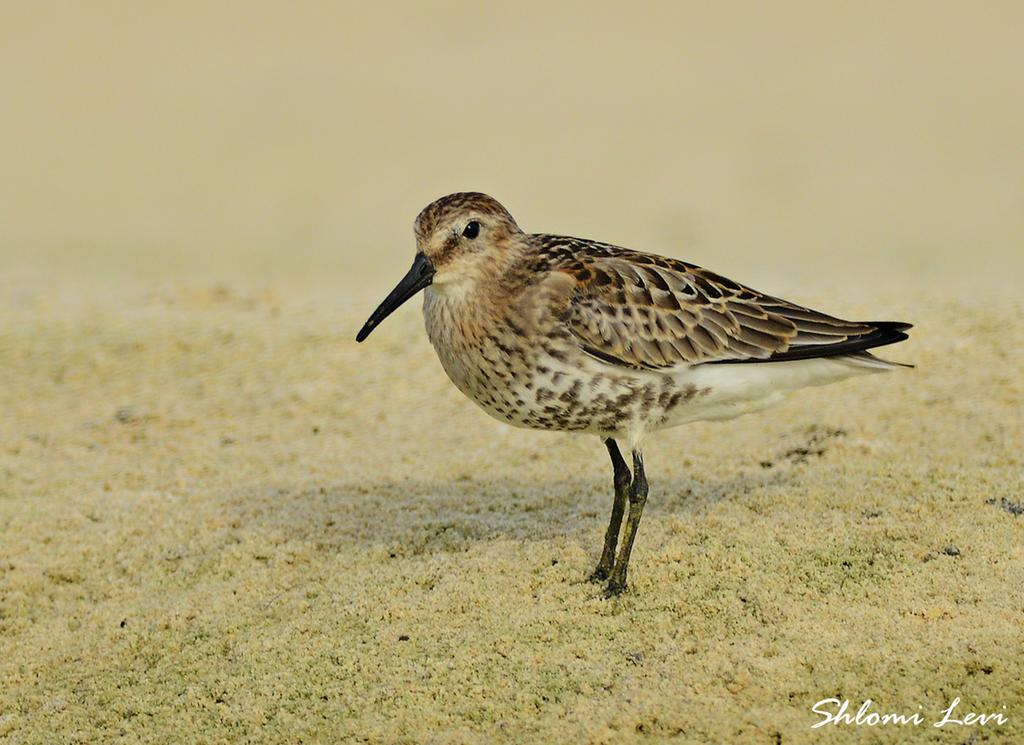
637,498
611,536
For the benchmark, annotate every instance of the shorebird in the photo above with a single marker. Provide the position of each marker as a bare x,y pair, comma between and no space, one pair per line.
556,333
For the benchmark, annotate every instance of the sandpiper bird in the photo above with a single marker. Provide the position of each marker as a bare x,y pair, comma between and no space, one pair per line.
556,333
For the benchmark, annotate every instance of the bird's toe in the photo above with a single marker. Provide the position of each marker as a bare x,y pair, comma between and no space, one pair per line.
613,589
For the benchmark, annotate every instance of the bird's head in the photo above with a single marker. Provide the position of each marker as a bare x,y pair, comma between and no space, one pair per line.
461,239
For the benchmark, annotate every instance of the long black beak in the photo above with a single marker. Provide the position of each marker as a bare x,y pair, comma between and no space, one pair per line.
420,274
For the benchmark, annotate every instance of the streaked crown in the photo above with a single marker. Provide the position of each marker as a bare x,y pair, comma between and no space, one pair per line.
458,208
464,235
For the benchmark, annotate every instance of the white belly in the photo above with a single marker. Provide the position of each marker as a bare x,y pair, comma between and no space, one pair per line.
734,390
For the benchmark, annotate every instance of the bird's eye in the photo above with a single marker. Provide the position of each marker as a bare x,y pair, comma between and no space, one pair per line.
472,229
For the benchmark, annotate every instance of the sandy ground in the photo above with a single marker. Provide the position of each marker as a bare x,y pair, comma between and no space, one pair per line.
221,520
222,517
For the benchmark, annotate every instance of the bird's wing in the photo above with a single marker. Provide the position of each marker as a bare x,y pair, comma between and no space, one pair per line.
644,311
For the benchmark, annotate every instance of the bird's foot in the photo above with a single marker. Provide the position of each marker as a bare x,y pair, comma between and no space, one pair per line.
599,575
613,589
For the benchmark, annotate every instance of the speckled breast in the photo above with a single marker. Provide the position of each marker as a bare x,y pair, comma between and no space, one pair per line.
543,380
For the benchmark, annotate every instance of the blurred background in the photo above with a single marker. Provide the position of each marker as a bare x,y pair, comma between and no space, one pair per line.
293,144
220,515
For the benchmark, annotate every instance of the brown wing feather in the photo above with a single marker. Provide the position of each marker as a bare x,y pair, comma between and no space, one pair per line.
652,312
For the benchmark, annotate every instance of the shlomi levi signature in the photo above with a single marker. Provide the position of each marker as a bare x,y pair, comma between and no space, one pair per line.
836,711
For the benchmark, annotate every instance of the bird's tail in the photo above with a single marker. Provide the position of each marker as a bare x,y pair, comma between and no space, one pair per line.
868,360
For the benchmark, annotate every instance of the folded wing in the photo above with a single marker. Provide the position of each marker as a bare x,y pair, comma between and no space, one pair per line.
651,312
